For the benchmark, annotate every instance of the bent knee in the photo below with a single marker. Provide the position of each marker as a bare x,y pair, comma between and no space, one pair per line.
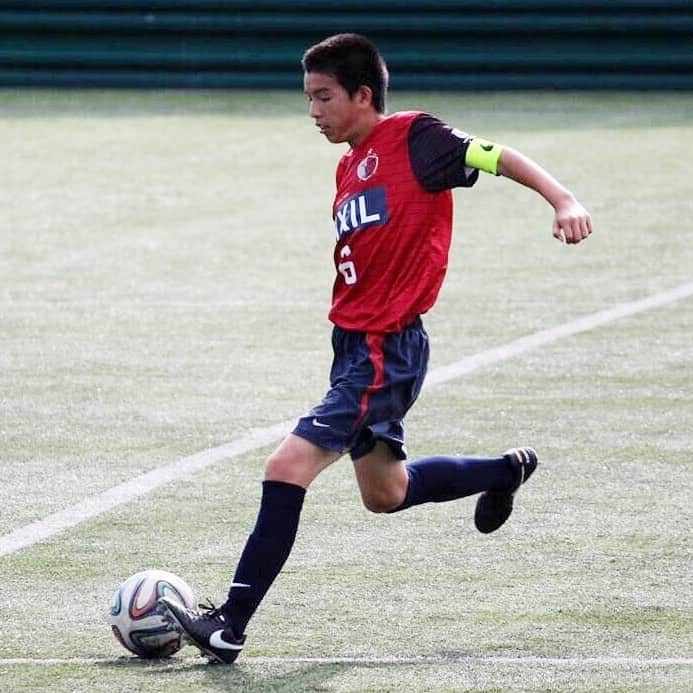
282,467
382,501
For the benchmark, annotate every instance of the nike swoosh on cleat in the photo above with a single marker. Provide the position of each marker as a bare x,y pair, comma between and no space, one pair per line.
215,640
320,425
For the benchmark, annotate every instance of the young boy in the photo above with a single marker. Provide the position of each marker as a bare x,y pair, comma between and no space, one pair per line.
393,221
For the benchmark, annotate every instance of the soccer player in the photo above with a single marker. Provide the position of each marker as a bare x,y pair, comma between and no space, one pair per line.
393,220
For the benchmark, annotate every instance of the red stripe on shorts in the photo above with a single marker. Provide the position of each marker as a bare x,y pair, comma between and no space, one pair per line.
377,358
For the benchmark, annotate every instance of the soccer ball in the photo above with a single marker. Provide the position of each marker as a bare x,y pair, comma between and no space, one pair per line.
134,619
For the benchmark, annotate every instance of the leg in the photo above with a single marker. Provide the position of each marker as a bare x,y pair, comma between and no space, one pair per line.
298,461
289,472
219,633
382,479
387,485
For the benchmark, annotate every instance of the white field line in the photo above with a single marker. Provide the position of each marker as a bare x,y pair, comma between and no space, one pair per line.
533,341
494,660
258,438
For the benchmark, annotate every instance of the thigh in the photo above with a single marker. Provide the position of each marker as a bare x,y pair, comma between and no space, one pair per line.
336,422
298,461
400,362
375,379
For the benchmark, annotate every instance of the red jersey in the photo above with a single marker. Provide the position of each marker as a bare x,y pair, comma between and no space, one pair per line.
393,218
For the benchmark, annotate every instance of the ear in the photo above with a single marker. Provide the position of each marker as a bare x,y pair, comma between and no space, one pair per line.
364,96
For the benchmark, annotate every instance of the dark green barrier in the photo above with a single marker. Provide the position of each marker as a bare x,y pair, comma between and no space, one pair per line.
429,45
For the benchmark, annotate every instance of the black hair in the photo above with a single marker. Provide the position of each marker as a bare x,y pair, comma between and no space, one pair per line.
354,61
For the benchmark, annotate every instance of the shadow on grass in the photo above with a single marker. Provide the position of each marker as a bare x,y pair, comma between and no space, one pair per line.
279,676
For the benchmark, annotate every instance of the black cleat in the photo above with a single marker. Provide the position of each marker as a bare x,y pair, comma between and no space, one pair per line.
493,507
208,630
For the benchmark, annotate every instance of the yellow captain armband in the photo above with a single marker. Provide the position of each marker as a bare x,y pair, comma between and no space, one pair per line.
483,155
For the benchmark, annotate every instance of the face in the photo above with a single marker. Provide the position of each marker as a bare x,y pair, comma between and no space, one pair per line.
341,118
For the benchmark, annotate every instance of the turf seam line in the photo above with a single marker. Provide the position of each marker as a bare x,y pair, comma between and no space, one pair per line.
595,660
252,440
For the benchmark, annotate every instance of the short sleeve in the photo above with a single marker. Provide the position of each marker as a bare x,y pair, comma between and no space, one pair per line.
437,155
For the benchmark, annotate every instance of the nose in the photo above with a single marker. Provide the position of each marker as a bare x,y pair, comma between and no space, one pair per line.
315,110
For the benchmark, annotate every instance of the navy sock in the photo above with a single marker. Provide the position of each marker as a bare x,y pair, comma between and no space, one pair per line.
440,479
266,550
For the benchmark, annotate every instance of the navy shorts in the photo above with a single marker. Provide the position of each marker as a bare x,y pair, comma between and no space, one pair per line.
375,379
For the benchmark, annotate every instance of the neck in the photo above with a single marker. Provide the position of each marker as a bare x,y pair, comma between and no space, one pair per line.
365,129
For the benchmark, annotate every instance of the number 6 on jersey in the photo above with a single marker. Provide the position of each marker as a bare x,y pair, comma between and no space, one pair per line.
347,269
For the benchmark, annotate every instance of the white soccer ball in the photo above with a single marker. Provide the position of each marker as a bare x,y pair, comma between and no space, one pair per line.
134,618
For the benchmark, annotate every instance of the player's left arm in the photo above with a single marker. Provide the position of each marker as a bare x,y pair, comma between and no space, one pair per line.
443,157
572,223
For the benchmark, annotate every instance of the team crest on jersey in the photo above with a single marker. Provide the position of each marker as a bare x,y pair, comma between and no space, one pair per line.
368,166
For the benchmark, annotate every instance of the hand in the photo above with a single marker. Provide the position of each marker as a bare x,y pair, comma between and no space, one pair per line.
572,223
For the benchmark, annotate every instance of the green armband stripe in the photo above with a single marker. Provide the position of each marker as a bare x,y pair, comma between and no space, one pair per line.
483,155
